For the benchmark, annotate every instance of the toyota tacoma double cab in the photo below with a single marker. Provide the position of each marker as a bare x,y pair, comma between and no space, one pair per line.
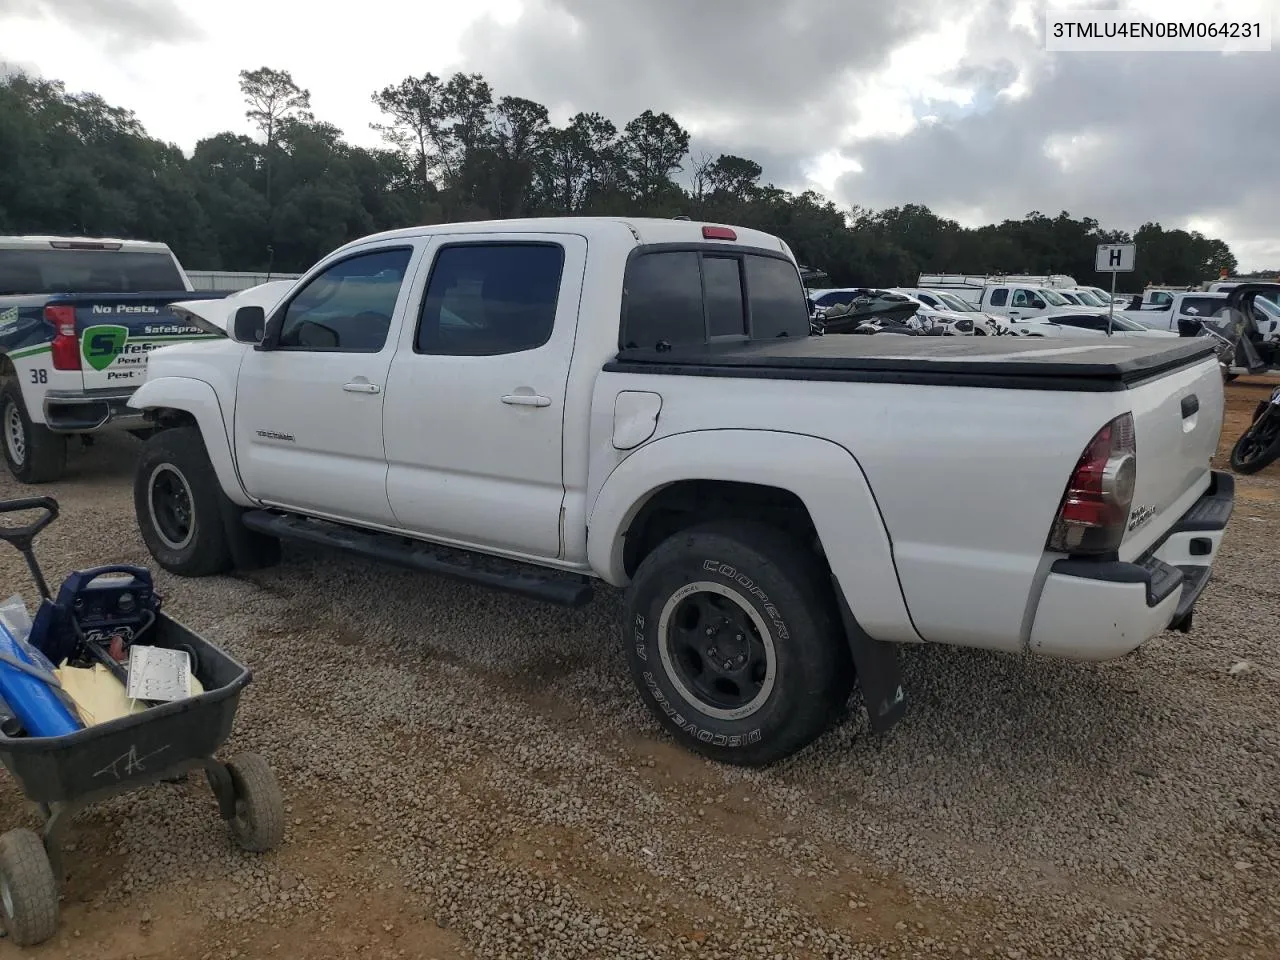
546,405
78,316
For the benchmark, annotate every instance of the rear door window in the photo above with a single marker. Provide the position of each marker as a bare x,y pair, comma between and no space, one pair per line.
999,297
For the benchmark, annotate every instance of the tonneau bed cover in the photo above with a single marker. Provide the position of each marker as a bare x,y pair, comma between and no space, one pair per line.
1005,362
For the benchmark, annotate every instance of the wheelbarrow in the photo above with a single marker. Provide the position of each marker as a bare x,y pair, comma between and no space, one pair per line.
63,774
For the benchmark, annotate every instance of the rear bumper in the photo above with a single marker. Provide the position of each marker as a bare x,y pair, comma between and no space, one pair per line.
88,411
1103,609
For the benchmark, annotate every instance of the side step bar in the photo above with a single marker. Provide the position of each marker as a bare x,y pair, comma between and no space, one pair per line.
540,583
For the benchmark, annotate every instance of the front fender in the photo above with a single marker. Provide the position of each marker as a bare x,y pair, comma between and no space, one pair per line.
824,475
201,401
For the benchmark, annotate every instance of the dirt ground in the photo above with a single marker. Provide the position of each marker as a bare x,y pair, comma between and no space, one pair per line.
472,776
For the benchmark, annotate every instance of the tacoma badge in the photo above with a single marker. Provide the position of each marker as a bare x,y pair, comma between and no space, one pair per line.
1141,514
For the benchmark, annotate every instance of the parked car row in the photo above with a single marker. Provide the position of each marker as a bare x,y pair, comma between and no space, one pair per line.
1001,310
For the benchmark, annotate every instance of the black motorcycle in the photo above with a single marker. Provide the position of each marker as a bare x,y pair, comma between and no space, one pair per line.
1259,445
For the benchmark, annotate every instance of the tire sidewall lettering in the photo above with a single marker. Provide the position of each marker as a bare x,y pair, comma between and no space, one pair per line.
753,590
657,687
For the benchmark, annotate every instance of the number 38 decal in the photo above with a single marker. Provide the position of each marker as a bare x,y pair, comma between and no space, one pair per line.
39,376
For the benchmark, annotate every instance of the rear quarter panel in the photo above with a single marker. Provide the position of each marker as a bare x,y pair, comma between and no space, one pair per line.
966,480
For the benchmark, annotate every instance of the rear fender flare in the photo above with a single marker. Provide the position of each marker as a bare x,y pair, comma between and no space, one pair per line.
200,400
824,475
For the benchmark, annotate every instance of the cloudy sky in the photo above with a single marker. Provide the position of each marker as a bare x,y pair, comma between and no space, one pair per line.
950,103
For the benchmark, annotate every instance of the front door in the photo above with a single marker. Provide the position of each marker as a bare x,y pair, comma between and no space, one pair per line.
308,418
474,420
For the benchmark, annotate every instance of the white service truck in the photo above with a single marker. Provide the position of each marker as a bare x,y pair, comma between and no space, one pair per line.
78,316
545,405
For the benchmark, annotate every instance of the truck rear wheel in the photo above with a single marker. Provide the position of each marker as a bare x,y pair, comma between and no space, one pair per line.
733,639
32,452
177,502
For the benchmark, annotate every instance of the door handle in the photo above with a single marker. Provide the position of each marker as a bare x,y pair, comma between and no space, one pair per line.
526,400
359,387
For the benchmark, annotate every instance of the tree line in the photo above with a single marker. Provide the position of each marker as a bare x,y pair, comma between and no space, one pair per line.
454,150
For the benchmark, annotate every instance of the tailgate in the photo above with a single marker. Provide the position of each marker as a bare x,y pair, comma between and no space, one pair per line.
117,332
1177,423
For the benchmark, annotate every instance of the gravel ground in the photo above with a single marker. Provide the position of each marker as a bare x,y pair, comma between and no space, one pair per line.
471,775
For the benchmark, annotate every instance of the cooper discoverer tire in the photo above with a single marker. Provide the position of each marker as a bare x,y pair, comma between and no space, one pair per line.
32,452
176,499
734,642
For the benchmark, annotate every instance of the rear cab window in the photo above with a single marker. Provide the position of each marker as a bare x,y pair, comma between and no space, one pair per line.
1201,306
55,271
695,295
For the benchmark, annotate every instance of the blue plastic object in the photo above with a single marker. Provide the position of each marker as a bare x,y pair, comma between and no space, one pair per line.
33,701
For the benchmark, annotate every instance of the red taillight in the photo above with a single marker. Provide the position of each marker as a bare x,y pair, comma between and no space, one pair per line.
66,345
1095,508
718,233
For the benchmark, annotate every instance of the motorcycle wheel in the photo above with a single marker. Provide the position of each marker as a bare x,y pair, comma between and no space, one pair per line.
1259,445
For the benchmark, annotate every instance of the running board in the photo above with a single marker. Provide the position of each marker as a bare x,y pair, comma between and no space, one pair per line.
526,579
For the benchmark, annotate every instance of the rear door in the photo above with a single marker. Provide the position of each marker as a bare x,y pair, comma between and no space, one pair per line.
474,420
996,300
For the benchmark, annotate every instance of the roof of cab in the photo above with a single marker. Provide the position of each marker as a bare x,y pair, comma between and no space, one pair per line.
40,242
643,230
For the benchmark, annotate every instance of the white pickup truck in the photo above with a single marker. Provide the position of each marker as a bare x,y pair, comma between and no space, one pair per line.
540,405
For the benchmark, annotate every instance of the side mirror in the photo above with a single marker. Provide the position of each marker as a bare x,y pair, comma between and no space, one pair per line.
1038,303
249,325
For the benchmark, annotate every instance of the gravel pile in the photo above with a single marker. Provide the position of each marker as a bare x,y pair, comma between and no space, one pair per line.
479,770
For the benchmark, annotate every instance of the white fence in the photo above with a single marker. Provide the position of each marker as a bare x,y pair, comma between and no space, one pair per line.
225,281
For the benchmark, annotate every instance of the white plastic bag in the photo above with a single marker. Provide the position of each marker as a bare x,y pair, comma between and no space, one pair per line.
16,619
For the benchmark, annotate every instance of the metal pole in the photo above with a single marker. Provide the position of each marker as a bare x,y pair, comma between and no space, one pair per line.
1111,313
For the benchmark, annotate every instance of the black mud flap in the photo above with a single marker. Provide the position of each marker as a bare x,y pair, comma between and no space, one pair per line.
877,666
249,550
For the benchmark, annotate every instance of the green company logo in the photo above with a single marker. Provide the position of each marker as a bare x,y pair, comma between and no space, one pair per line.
101,345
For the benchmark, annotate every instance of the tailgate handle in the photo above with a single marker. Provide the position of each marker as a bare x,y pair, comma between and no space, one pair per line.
1190,406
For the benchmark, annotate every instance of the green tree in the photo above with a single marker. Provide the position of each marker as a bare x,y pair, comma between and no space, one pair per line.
272,97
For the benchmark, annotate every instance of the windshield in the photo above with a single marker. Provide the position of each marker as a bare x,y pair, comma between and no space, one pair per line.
1124,323
1053,298
1267,307
1091,299
952,302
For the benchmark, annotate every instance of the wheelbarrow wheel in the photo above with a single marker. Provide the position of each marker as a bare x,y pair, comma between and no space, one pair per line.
258,825
28,889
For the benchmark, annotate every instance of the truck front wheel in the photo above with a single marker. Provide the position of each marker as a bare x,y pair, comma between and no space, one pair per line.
176,500
733,639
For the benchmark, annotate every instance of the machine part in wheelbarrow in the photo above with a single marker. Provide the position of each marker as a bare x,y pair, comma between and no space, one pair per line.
28,889
258,825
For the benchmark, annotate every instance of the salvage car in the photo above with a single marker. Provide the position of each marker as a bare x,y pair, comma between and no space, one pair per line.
546,405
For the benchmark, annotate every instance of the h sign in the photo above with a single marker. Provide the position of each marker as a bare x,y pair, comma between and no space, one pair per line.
1115,257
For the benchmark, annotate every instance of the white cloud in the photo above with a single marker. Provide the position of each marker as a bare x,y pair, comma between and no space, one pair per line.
874,103
186,89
